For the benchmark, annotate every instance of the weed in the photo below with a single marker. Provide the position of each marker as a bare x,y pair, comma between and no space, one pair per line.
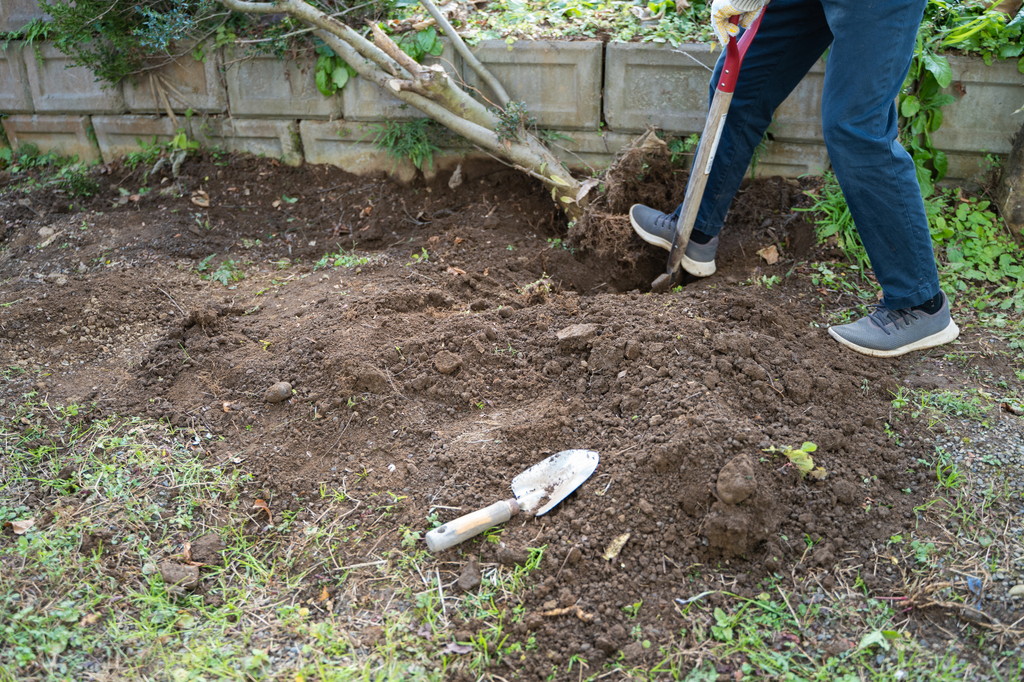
226,272
514,121
412,141
341,259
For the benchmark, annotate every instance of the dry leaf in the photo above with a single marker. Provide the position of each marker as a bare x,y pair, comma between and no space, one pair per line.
366,211
276,203
459,240
615,546
21,527
452,270
90,619
324,594
199,198
262,504
456,648
231,406
574,610
770,254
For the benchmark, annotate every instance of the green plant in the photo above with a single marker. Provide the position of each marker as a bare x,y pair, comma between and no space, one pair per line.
421,44
801,459
115,40
341,259
413,141
513,121
680,149
331,72
226,272
832,220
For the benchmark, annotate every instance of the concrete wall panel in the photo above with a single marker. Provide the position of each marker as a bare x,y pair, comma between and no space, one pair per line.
119,135
15,94
59,87
66,135
14,14
264,86
262,137
182,83
560,82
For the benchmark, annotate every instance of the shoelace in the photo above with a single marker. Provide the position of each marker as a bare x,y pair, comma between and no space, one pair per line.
883,317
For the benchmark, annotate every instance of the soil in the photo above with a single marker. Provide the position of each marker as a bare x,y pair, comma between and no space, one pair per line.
476,340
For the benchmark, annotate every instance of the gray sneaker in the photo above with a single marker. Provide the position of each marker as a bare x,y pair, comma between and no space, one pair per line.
886,333
658,228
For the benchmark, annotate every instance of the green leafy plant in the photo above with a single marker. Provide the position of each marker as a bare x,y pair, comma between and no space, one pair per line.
421,44
331,72
801,459
833,220
408,140
115,39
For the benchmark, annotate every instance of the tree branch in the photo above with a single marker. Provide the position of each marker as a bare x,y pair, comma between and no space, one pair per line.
460,46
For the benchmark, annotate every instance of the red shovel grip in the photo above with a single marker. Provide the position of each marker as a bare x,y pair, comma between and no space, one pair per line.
735,51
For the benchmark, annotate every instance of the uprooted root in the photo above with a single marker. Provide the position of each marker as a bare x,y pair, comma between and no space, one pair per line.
642,174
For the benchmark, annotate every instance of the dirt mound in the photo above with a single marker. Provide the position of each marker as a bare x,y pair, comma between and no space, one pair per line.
418,331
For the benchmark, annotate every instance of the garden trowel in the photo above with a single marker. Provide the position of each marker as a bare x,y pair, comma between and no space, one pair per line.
536,491
735,51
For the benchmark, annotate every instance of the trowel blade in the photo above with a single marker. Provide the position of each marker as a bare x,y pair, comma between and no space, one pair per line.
550,481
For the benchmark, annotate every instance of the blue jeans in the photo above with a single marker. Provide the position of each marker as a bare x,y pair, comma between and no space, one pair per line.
871,44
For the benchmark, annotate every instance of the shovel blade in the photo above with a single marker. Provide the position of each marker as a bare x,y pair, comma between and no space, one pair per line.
550,481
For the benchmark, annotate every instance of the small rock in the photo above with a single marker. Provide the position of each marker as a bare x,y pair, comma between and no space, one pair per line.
278,393
447,362
573,556
512,556
179,574
1017,591
577,335
46,232
470,577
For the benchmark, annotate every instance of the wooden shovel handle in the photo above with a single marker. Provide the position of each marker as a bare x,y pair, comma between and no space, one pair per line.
473,523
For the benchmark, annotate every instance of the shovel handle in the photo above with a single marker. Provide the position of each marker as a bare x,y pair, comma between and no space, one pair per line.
471,524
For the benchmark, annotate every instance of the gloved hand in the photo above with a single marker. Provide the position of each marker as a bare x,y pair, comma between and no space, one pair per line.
723,10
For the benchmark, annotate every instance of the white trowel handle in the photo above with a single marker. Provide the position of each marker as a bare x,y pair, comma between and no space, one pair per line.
473,523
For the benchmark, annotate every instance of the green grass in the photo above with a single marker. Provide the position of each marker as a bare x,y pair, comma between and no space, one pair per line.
111,498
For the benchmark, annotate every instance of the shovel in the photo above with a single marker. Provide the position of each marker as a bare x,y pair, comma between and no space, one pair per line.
735,51
536,491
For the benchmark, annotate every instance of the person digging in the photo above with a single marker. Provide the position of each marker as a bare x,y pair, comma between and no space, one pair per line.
870,45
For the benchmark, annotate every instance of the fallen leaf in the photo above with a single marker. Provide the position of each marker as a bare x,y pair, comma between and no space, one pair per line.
324,594
459,240
452,270
21,527
573,610
366,211
90,619
818,473
231,406
199,198
456,648
770,254
615,546
262,504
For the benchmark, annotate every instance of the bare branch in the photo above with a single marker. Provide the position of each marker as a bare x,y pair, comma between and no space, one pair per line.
460,46
388,46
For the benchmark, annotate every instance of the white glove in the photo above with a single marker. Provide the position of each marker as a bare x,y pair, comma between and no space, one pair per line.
723,10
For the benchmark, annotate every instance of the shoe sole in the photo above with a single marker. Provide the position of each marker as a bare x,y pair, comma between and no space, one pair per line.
950,333
695,268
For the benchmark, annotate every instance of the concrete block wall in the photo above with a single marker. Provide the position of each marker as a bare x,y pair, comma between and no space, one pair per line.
596,96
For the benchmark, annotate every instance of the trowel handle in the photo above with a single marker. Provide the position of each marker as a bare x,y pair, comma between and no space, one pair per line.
473,523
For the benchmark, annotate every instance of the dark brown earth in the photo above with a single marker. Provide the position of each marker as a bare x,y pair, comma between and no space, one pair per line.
436,371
